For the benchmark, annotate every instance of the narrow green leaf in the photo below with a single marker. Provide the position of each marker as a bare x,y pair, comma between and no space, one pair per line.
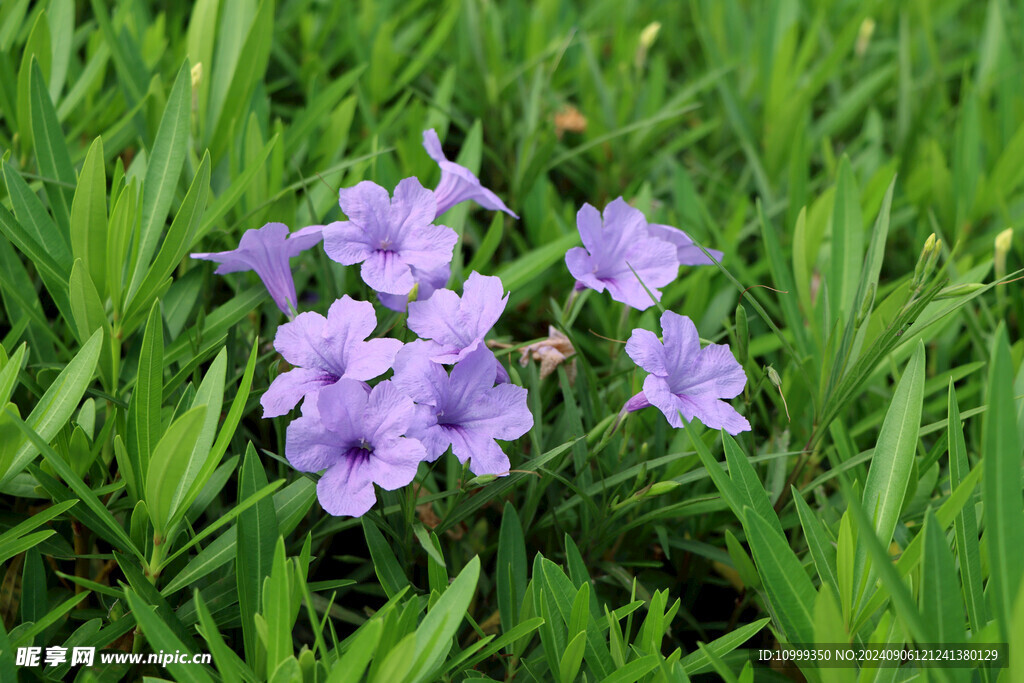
362,647
57,405
51,151
434,634
512,567
1001,490
966,522
111,529
89,216
789,590
180,237
940,591
385,564
144,425
257,534
886,486
166,158
164,476
161,637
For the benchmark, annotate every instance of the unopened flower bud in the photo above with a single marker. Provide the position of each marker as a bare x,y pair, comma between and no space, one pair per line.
650,34
959,290
481,480
414,292
647,38
1003,242
661,487
920,270
866,305
867,29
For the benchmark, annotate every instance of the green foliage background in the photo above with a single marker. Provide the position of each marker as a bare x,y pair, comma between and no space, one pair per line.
878,498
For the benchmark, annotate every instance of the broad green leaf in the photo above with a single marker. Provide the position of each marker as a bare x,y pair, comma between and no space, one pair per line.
889,474
847,242
211,395
89,216
789,590
821,547
166,470
57,405
940,591
144,425
9,373
747,482
434,634
385,564
1001,490
161,637
227,429
89,316
361,647
512,566
277,610
166,158
257,534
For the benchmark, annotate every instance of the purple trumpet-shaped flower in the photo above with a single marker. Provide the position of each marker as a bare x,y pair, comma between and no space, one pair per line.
457,325
389,236
689,254
618,254
428,282
685,378
326,350
359,437
267,251
458,183
464,410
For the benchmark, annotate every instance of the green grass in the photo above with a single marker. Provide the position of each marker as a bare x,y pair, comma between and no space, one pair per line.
877,499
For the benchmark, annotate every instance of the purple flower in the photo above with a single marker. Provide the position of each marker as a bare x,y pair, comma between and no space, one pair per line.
464,410
687,252
358,437
615,248
458,183
684,378
325,350
455,325
429,282
389,236
267,251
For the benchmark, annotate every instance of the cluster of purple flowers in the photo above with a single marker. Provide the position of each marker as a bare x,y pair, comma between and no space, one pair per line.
360,435
632,259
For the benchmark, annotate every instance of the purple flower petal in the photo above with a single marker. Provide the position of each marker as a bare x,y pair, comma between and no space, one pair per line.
288,388
686,379
428,281
646,350
358,437
458,325
458,184
688,253
267,251
347,489
619,255
389,236
326,350
464,409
